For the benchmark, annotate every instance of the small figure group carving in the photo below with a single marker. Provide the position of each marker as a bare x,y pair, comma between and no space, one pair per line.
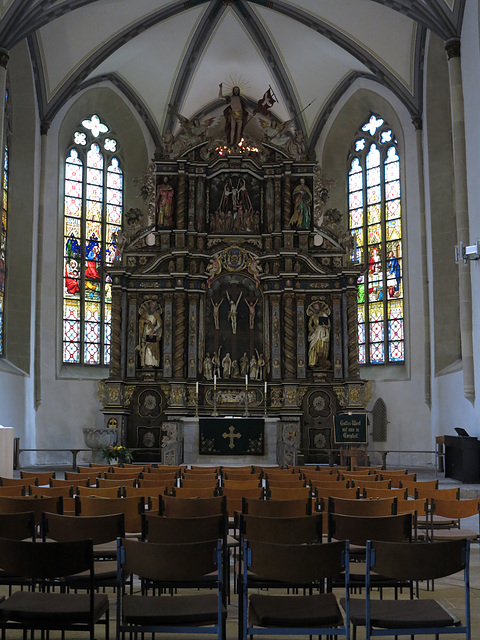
232,311
226,367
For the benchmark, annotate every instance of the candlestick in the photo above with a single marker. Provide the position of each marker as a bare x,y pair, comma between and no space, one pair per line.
214,381
246,381
196,388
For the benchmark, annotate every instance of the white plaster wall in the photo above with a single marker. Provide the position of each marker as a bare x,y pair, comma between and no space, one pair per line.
69,394
401,387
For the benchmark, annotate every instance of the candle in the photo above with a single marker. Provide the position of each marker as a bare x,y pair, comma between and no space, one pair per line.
215,381
265,387
196,388
246,381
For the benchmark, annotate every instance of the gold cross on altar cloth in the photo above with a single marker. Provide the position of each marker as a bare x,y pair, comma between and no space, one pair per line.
232,436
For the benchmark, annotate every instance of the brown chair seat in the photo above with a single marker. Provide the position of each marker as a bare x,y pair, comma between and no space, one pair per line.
191,609
302,611
52,608
402,614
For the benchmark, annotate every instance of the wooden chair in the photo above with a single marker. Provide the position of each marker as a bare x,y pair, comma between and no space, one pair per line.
48,610
329,484
278,493
341,492
456,510
375,492
74,477
82,482
33,477
254,483
277,508
178,566
194,492
284,530
414,562
235,496
285,484
102,530
93,469
16,526
101,492
123,475
13,482
132,509
16,490
419,508
401,480
373,484
295,565
359,529
65,492
104,483
176,507
382,507
36,505
452,493
198,481
423,487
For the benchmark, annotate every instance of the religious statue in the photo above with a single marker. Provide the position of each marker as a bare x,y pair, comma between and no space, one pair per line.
164,203
207,367
244,365
216,309
216,363
302,200
235,369
318,333
251,312
232,314
194,130
236,115
261,362
253,367
150,328
227,365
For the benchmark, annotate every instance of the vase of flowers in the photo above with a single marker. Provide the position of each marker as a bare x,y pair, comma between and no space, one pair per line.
116,453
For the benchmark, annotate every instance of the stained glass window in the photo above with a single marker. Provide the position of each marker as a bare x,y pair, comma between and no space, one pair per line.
5,171
93,210
374,204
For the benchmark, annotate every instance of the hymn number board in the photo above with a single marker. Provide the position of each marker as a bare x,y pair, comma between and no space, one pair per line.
350,428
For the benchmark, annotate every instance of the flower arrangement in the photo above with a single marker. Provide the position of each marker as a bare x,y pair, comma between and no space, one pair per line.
116,453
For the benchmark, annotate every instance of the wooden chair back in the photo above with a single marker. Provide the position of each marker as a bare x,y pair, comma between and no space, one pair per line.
279,493
27,503
65,492
12,482
15,490
254,483
208,482
101,492
76,477
452,493
167,529
283,530
132,508
374,492
296,482
382,507
18,526
359,529
178,507
100,529
373,484
33,477
234,497
341,492
104,483
83,482
277,508
194,492
93,469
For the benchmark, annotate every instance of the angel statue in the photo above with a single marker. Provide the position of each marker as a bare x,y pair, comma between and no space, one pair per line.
275,133
195,131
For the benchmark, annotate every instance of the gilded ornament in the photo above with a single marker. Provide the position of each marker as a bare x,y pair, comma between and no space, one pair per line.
128,392
341,394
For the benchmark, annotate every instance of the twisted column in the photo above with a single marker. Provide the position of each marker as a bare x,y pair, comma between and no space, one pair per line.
352,328
179,336
116,334
181,201
287,201
289,324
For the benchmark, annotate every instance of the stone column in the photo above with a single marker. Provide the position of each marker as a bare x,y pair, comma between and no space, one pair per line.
461,213
44,127
289,325
417,122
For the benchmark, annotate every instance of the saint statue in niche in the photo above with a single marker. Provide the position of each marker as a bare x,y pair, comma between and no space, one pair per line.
150,329
164,203
302,201
318,333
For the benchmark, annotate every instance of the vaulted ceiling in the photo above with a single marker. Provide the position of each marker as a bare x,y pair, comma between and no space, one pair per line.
161,52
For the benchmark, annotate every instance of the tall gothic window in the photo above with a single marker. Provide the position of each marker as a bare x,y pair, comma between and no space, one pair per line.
374,204
92,217
5,170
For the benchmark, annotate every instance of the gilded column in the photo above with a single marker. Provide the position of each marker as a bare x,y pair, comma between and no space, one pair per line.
181,198
352,329
289,332
461,213
116,335
179,336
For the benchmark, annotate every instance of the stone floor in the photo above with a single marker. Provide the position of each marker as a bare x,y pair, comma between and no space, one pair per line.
448,592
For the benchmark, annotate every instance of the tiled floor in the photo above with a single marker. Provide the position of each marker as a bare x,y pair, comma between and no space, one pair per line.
448,591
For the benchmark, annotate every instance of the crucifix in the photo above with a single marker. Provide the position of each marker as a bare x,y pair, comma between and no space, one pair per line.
231,435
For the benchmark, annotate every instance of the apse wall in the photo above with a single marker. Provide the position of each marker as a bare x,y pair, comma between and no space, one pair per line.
402,387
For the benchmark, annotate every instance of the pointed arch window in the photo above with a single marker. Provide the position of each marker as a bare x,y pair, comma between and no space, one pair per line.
374,204
5,172
93,209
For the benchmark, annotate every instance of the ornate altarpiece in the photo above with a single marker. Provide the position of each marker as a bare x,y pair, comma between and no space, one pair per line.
236,268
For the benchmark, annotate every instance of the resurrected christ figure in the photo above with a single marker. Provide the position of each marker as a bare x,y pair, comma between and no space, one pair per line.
236,115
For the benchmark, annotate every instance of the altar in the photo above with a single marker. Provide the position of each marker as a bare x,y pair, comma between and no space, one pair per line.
192,442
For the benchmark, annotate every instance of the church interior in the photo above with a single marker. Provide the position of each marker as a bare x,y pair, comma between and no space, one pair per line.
263,210
236,233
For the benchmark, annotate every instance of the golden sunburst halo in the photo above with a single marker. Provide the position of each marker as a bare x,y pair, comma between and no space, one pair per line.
236,81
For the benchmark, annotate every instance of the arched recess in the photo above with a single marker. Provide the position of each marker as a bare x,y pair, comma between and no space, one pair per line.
444,278
22,230
134,149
